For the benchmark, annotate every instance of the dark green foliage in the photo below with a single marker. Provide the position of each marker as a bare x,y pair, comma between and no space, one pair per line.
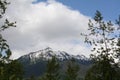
31,78
72,70
38,68
102,37
102,70
52,72
3,6
15,70
5,52
9,69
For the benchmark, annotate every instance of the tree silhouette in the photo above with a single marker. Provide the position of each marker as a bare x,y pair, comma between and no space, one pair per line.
102,37
9,69
52,72
72,70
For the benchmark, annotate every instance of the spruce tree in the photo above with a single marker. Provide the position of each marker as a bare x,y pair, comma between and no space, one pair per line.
52,72
72,71
14,70
32,78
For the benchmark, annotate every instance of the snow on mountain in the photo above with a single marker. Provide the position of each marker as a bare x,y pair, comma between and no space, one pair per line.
48,52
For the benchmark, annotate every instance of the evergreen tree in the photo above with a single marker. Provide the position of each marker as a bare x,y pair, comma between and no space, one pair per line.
102,70
52,72
72,70
14,70
102,37
31,78
118,43
5,51
9,69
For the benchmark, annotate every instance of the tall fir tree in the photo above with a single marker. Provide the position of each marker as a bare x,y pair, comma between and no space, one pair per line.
52,72
14,70
102,37
31,78
72,71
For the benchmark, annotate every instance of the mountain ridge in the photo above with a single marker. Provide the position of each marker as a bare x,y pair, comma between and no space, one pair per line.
48,53
35,63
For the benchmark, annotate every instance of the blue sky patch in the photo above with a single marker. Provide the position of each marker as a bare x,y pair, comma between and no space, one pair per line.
110,9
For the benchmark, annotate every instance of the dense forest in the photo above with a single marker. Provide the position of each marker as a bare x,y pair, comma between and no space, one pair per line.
104,37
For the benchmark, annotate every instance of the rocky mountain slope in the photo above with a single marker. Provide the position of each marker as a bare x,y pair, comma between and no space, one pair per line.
34,63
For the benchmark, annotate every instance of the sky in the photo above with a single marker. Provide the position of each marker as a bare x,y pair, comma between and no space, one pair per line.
110,9
54,23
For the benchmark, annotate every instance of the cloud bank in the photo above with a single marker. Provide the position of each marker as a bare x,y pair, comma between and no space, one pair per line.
44,24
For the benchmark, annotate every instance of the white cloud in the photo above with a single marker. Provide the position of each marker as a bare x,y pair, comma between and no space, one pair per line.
45,24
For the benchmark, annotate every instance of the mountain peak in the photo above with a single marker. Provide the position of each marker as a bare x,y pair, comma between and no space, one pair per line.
48,53
48,48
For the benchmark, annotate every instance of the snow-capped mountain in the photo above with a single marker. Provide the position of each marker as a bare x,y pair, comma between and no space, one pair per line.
48,53
35,63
